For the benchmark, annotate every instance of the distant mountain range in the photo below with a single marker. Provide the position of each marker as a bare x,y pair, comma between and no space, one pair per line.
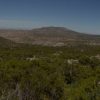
52,36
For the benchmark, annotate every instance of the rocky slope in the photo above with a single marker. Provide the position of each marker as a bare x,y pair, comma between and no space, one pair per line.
55,36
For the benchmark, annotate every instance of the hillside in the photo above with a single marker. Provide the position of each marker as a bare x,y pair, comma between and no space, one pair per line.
45,72
55,36
6,43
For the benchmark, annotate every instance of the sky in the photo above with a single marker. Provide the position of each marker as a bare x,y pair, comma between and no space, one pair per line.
78,15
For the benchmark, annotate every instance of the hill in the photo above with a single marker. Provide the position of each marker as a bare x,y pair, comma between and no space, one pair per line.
55,36
6,43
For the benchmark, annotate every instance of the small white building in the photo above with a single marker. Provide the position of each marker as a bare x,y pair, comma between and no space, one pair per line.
31,58
72,61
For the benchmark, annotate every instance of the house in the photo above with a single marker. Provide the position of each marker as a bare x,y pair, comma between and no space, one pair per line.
72,61
31,58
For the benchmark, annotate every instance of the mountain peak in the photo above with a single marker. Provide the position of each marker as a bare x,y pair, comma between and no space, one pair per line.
52,28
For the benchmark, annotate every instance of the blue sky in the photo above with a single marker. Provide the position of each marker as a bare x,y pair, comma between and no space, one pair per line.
79,15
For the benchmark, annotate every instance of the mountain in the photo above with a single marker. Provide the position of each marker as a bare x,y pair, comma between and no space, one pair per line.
53,36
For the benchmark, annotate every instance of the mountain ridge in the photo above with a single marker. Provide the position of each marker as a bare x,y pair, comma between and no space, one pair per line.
50,36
